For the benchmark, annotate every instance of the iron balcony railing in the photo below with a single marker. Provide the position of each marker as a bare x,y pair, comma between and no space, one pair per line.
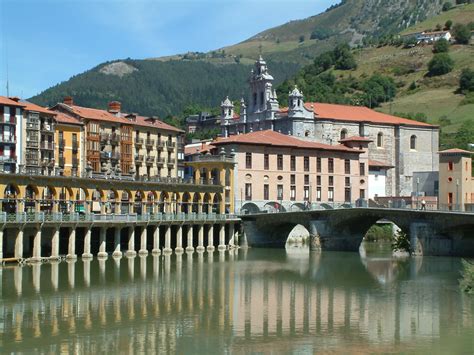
7,139
138,141
150,160
42,217
47,145
150,142
160,145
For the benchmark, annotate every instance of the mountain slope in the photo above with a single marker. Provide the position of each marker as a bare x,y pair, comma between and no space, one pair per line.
163,86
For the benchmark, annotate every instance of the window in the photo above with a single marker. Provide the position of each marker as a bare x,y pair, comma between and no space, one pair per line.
292,163
318,193
380,140
331,194
362,193
306,163
343,133
248,192
362,169
280,162
347,166
348,181
347,194
318,180
248,160
413,142
306,193
292,192
280,192
306,179
330,165
450,166
331,180
266,192
266,162
318,164
292,179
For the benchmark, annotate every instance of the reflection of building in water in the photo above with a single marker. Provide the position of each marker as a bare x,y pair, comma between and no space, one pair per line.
175,301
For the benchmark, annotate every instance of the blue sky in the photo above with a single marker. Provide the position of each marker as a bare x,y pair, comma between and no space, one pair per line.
44,42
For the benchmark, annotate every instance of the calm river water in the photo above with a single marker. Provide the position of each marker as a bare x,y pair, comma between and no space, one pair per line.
260,301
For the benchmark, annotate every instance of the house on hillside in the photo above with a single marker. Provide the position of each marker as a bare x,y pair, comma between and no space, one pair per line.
428,37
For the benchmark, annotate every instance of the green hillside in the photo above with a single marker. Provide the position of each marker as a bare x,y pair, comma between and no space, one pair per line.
163,86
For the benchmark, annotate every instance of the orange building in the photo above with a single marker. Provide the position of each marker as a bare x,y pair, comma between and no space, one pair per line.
69,147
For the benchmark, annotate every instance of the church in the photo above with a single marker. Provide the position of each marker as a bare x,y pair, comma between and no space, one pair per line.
401,146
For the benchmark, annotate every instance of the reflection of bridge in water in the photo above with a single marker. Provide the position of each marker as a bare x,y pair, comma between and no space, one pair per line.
163,303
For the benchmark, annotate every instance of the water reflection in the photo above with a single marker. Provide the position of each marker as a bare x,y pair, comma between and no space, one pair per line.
238,300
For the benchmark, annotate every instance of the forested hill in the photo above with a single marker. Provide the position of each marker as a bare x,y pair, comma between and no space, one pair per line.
163,86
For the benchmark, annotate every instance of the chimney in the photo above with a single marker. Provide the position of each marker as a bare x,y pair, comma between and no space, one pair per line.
15,98
68,101
114,107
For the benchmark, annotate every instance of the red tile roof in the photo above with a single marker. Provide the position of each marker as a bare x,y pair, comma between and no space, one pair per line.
272,138
356,139
29,106
455,151
9,102
66,119
358,114
155,123
203,148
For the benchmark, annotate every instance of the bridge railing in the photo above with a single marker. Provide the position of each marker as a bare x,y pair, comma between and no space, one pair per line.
42,217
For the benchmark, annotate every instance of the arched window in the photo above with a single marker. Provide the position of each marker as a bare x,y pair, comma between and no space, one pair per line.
343,133
380,140
413,142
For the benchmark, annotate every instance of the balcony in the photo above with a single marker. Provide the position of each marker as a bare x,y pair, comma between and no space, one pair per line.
150,160
160,161
47,162
114,139
46,127
32,161
33,126
62,144
138,158
170,164
104,138
170,145
138,142
61,162
75,146
150,143
160,145
9,120
47,145
7,139
75,162
115,157
8,159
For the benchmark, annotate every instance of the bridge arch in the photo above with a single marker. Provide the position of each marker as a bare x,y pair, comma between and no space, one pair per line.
249,208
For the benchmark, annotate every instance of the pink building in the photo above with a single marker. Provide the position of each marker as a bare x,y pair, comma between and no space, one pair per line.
277,171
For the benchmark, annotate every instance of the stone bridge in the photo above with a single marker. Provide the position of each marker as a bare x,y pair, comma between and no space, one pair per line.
430,232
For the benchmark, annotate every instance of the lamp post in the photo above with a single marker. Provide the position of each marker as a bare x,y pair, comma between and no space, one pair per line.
457,194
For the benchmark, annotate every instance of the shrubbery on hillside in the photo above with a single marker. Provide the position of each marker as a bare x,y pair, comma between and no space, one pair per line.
440,64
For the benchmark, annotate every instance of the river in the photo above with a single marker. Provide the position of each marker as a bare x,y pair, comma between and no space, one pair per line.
238,301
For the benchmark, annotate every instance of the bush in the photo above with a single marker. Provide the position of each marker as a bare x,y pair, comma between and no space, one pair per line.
448,24
401,242
344,60
440,64
441,46
301,39
467,277
447,6
412,86
466,81
461,33
378,89
321,33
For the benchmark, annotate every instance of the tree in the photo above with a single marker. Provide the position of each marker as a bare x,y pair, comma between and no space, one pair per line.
438,27
344,60
441,46
301,38
461,33
466,81
378,89
447,6
448,24
440,64
321,33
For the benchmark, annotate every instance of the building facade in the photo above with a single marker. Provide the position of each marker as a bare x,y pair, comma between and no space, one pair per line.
456,183
402,143
11,139
276,172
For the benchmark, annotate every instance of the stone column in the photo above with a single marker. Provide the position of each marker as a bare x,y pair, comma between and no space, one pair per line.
71,249
19,245
87,244
55,244
200,246
1,243
156,241
190,239
143,250
221,237
231,235
117,252
102,246
210,238
179,240
167,248
37,246
131,242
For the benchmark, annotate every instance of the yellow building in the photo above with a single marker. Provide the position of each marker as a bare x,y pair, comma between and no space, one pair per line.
68,151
